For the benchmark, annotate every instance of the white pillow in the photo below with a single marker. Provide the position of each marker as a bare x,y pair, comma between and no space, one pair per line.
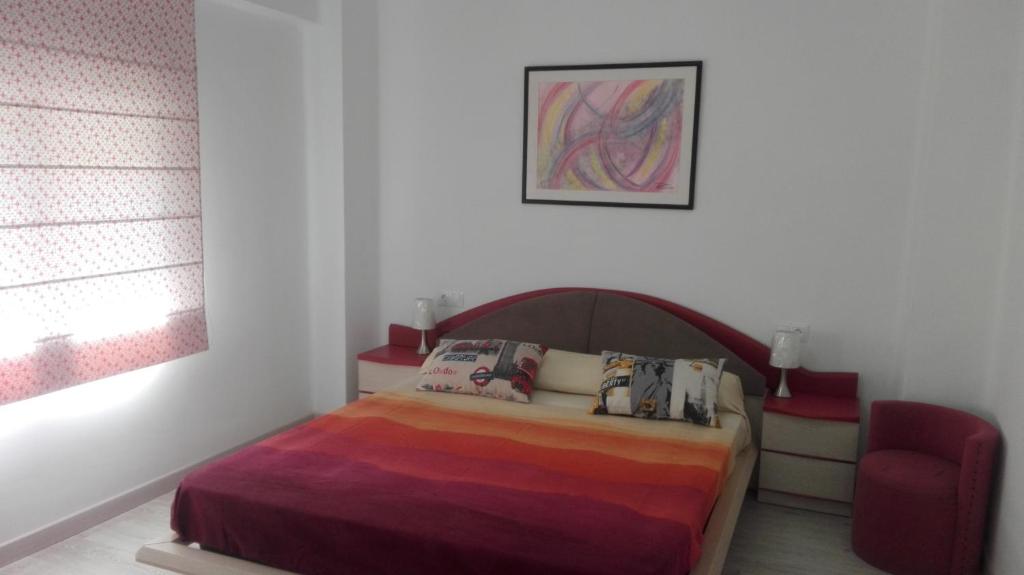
570,372
730,394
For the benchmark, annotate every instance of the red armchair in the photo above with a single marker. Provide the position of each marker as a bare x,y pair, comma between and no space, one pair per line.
923,488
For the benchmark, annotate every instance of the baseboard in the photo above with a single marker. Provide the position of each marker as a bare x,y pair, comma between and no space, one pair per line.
74,524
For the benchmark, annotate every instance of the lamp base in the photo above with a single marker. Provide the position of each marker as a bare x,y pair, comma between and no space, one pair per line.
782,391
423,350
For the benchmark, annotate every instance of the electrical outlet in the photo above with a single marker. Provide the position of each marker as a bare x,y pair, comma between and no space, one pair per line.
803,328
451,298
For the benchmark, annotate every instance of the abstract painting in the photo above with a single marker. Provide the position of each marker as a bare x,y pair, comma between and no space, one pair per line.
621,134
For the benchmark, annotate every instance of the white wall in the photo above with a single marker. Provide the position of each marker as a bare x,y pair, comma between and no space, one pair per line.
342,87
1007,390
806,153
326,206
66,451
959,202
362,180
1005,397
964,315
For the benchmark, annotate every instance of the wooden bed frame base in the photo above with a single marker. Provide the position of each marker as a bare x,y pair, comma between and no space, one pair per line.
721,524
172,554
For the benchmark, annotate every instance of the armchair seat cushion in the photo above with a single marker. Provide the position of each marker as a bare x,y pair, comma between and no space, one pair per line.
905,511
919,474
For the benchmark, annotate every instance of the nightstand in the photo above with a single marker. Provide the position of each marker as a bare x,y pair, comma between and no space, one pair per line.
809,452
385,366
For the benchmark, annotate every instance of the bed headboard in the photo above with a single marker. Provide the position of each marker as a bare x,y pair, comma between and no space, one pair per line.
591,320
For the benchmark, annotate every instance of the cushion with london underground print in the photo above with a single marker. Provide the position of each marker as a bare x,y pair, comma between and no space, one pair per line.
496,368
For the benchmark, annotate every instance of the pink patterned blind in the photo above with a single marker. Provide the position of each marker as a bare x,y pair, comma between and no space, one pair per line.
101,256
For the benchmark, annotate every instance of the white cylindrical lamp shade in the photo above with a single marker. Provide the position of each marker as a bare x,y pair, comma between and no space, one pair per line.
424,315
785,349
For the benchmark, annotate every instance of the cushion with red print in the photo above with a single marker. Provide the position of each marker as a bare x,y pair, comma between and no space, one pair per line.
496,368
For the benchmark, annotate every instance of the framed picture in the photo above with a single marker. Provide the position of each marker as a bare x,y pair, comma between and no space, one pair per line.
611,134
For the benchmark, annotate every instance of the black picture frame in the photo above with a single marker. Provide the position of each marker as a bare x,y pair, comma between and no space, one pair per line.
689,71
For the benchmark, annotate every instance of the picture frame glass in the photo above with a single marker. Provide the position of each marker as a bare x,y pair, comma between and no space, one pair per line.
611,135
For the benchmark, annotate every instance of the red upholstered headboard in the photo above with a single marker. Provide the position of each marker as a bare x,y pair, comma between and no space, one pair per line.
745,347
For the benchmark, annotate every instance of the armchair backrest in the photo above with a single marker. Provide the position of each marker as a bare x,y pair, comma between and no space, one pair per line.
925,428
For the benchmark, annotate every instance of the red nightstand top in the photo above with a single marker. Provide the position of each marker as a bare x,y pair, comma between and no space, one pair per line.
814,406
393,355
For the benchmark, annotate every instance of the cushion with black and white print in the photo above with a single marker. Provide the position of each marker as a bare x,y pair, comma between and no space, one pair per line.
657,388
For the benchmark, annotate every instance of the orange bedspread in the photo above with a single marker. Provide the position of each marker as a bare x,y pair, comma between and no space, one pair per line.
418,483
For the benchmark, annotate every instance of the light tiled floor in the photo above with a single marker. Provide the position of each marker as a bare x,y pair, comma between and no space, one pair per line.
769,540
777,540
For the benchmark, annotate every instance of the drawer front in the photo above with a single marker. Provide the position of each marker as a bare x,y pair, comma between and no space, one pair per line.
377,376
816,437
805,476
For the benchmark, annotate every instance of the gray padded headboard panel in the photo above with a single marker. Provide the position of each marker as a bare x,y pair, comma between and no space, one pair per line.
588,321
560,320
624,324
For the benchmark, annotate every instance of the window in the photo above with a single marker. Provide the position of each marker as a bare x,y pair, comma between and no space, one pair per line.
101,258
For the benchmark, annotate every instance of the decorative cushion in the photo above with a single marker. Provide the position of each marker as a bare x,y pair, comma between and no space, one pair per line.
490,367
582,374
656,388
570,372
632,326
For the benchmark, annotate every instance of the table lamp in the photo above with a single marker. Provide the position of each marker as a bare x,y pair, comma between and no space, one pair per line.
785,355
423,320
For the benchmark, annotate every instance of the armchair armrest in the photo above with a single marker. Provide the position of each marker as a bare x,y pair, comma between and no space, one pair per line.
973,492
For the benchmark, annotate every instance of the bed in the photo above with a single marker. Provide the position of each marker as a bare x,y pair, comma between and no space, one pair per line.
417,482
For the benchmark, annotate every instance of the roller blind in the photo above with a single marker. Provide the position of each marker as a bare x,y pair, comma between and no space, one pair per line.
101,256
